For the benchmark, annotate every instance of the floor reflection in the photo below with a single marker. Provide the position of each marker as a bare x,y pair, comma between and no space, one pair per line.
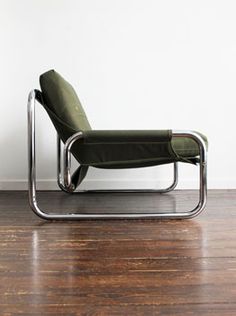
118,202
74,258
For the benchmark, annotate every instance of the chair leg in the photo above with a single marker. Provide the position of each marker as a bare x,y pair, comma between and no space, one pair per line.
70,216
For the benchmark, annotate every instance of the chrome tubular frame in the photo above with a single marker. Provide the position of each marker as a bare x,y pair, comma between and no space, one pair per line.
68,187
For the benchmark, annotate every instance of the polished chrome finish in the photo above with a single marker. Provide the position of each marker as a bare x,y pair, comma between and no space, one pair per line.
67,160
202,170
67,186
59,176
31,158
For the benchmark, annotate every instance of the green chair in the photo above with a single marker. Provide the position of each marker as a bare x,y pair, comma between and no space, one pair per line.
107,149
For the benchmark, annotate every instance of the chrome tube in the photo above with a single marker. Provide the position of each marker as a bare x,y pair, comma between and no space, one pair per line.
60,181
31,158
202,170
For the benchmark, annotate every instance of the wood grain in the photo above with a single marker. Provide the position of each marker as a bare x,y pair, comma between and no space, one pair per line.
118,267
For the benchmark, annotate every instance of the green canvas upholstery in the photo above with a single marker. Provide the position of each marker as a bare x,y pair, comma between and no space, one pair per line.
108,148
132,148
61,98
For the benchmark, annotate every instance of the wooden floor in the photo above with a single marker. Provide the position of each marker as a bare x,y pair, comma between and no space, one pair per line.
119,267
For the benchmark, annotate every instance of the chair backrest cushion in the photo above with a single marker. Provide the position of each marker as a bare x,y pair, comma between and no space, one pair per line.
61,99
65,110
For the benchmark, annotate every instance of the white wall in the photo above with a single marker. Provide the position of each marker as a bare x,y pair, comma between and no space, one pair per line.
137,64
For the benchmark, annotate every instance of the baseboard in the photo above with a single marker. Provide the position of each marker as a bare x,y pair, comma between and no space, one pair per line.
51,184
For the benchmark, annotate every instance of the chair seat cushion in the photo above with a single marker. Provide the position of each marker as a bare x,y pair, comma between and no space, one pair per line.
132,149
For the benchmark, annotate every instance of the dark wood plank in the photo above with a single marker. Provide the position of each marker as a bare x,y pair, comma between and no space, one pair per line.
118,267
